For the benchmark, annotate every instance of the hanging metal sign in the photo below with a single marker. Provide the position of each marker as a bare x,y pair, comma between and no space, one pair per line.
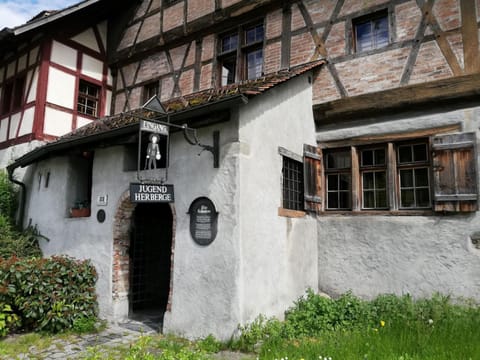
203,221
151,193
153,127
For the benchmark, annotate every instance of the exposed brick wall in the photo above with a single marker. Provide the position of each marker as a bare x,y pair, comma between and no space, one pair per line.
135,100
206,77
208,47
324,87
447,13
199,8
336,44
407,17
129,36
119,103
173,16
273,57
150,27
152,67
178,54
273,24
351,6
166,89
155,4
142,9
186,81
191,55
302,49
320,10
430,65
297,18
372,73
456,44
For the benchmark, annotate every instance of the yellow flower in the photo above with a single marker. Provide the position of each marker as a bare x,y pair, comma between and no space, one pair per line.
382,323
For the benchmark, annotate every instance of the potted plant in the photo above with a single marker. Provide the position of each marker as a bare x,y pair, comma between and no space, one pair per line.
80,209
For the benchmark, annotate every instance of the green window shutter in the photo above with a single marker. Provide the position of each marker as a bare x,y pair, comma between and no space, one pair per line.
312,167
455,172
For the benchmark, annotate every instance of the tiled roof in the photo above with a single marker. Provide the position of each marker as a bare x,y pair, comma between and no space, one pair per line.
188,102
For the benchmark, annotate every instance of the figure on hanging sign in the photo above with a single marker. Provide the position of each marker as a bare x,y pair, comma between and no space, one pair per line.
153,152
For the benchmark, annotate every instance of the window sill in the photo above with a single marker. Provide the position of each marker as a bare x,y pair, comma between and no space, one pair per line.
291,213
380,213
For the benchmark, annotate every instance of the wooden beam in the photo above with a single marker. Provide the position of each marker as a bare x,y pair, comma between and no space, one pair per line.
455,88
470,36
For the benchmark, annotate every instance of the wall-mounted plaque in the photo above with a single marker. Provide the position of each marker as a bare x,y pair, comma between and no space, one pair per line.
203,221
151,193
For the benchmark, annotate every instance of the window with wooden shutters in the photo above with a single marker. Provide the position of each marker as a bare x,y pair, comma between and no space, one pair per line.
312,165
455,172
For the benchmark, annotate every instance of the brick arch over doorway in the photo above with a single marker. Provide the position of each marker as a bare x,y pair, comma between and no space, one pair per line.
121,258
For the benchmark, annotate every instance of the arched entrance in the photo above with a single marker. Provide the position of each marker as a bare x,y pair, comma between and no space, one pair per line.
150,259
143,243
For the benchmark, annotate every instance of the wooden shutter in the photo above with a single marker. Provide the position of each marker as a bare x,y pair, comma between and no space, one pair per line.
312,170
455,172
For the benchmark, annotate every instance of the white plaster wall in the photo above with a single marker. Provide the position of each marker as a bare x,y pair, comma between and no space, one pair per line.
87,38
57,122
92,67
61,88
206,279
418,255
4,129
8,155
14,122
32,92
64,55
279,254
26,126
33,56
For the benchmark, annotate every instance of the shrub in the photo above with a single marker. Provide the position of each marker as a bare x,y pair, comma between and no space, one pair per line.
8,197
19,244
48,294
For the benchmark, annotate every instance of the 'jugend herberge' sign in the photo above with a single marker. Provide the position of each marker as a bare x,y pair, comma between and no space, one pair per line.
151,193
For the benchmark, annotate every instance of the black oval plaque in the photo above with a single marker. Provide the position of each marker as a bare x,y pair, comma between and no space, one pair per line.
203,221
101,216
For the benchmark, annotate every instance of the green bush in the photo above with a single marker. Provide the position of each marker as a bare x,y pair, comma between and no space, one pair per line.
18,244
48,294
8,197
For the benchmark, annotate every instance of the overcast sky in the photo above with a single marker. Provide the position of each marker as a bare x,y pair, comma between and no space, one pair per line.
14,13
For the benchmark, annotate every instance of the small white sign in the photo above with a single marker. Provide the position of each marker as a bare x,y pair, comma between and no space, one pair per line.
153,127
102,200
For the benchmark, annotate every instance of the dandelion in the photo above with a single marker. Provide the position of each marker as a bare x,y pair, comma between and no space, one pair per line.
382,323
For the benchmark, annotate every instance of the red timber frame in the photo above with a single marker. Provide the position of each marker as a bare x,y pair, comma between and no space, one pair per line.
42,64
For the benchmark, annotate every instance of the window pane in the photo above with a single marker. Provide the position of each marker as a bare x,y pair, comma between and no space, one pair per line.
228,72
332,181
364,36
368,199
406,178
380,157
367,157
421,177
381,198
344,200
368,180
254,64
229,43
405,154
381,32
339,160
380,180
344,183
292,176
407,198
254,34
332,200
420,152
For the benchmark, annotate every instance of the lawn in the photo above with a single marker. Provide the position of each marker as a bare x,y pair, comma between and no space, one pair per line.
317,328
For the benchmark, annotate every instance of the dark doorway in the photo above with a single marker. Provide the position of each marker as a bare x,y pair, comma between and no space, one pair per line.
150,260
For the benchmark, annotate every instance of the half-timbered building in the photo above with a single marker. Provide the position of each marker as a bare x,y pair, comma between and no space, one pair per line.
327,144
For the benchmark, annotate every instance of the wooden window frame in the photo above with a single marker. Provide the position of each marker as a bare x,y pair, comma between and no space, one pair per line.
88,97
374,168
338,172
292,183
239,55
147,91
370,18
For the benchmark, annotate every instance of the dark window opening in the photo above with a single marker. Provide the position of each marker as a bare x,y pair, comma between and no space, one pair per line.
80,183
13,93
149,91
293,184
241,55
371,32
339,179
88,98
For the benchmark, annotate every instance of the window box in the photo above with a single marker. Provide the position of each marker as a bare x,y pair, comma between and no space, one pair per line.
79,212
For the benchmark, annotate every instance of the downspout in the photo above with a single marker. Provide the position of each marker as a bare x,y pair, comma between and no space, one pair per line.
23,193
